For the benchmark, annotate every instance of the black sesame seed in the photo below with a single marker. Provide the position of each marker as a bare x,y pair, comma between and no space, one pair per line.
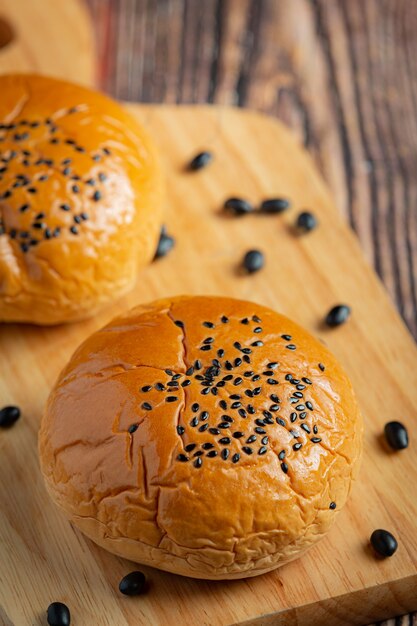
205,348
271,381
195,407
207,446
214,391
396,435
235,396
253,261
225,453
212,453
204,416
205,392
274,407
245,356
203,428
235,405
315,439
198,453
284,467
321,367
242,413
225,441
190,447
238,206
237,362
383,542
302,415
307,381
309,405
259,430
171,399
293,417
224,319
251,439
338,315
186,383
190,371
179,323
24,208
297,394
237,434
247,450
291,346
194,422
183,458
297,446
223,425
306,428
209,324
9,415
133,428
281,455
215,431
257,344
237,381
220,353
280,421
332,505
58,614
263,450
180,430
223,404
146,406
198,462
300,407
159,386
235,457
315,429
146,388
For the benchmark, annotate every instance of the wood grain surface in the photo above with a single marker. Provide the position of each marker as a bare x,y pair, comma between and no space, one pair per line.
339,581
341,73
47,36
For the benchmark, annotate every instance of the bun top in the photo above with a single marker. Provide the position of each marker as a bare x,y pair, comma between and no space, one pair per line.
216,431
79,199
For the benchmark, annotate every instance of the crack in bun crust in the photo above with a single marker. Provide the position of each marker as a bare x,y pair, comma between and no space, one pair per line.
225,483
80,200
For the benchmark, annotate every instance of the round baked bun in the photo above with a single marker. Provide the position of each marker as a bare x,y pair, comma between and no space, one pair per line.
80,200
205,436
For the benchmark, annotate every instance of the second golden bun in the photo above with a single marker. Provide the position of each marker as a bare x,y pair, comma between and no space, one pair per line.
205,436
80,200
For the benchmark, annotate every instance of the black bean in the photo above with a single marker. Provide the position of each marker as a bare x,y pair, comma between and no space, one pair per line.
58,614
238,206
133,584
9,415
253,261
338,315
200,160
396,435
165,244
383,542
306,221
274,205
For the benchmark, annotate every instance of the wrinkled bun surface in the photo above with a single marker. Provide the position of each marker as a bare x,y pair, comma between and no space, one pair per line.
80,200
153,469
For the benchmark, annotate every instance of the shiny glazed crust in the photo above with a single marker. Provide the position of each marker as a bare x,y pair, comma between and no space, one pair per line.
80,200
143,495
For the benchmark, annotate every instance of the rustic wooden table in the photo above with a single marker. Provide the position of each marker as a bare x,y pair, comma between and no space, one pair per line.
341,73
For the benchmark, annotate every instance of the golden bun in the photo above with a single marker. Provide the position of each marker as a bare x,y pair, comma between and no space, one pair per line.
80,200
229,475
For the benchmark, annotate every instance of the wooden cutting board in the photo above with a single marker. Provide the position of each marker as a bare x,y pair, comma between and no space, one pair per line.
42,558
53,37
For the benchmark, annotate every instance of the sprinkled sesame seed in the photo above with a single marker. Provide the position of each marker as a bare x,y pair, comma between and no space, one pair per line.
332,505
132,428
212,453
247,450
321,367
235,457
284,467
179,323
180,430
262,450
182,458
171,399
315,439
198,462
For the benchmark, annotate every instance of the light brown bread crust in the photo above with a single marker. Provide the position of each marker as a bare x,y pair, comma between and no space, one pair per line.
130,492
80,200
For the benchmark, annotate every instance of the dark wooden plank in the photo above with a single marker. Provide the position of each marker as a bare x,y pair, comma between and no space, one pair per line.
342,74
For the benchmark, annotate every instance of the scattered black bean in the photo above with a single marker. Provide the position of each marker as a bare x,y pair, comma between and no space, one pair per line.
133,584
338,315
396,435
58,614
383,542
